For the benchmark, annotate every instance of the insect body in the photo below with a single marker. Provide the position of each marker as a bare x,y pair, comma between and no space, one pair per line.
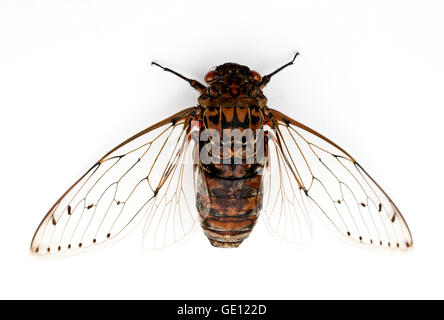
248,161
229,198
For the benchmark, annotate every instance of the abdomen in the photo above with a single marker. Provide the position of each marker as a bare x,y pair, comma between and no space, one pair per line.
229,194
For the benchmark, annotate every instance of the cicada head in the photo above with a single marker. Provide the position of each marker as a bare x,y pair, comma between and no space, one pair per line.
232,84
232,72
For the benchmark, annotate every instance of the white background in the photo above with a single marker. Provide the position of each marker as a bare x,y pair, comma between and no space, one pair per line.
75,80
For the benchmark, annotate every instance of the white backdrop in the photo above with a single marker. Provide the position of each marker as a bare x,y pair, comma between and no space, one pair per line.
75,80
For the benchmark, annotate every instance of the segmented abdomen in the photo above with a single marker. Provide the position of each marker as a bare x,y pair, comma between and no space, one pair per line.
228,207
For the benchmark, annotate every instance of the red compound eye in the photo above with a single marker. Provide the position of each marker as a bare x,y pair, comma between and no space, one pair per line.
210,76
256,76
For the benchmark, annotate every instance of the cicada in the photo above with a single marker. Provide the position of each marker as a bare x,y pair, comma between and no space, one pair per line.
222,164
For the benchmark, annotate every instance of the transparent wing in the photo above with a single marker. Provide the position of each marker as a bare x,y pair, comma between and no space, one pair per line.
285,208
117,191
172,214
337,187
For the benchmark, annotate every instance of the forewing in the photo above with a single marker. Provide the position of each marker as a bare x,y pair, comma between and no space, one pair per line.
172,214
117,191
337,186
285,204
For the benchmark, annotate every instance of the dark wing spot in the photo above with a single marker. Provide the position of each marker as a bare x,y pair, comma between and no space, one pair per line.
59,248
108,235
69,246
89,206
380,207
363,204
49,249
371,241
69,209
393,218
360,238
348,233
53,221
95,240
80,245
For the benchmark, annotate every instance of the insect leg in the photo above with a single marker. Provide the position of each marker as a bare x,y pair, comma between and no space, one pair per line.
194,83
267,78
